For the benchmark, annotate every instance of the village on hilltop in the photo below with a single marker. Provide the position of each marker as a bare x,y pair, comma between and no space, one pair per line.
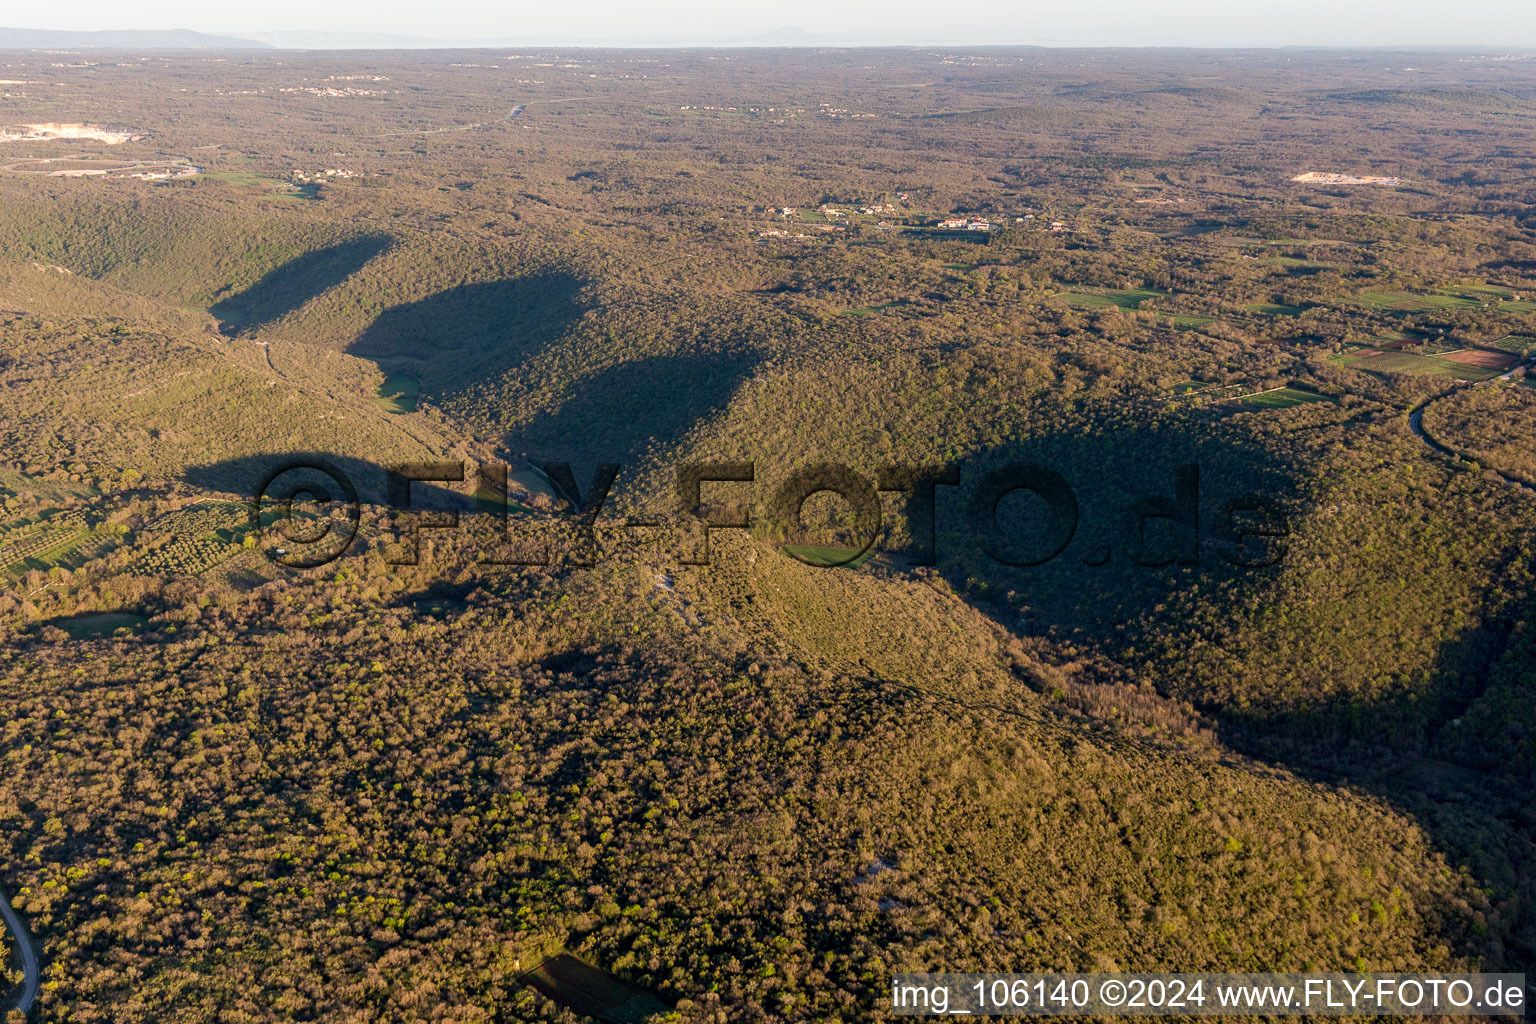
830,217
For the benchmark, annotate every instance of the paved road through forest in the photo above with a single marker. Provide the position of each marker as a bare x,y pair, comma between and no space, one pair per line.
32,973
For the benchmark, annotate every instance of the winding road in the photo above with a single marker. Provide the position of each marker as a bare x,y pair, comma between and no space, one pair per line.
32,974
1416,424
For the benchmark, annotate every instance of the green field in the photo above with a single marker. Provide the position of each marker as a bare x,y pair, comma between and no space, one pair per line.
399,393
1504,297
1417,365
1189,386
1129,298
827,556
1482,291
1274,309
1409,302
1284,398
1467,296
1189,321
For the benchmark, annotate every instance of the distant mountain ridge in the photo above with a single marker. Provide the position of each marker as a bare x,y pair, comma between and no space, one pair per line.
123,39
306,39
790,35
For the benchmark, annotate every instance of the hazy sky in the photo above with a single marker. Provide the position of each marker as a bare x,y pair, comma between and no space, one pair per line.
1505,23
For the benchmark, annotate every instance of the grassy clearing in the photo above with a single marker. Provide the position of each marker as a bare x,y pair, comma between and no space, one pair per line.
308,190
1189,386
1291,263
1190,321
826,556
592,992
1274,309
278,188
1284,398
81,627
867,310
398,394
1129,298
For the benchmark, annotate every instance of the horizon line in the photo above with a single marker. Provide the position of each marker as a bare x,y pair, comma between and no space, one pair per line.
290,40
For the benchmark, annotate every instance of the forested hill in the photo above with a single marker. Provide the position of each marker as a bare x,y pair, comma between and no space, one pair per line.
1240,682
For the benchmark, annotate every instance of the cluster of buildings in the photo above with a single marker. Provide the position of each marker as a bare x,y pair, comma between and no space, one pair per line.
332,91
837,217
329,172
965,224
788,111
828,110
180,171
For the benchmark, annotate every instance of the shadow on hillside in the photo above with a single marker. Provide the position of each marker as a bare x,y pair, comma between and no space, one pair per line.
1205,631
285,288
468,338
1146,513
332,474
473,333
618,415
